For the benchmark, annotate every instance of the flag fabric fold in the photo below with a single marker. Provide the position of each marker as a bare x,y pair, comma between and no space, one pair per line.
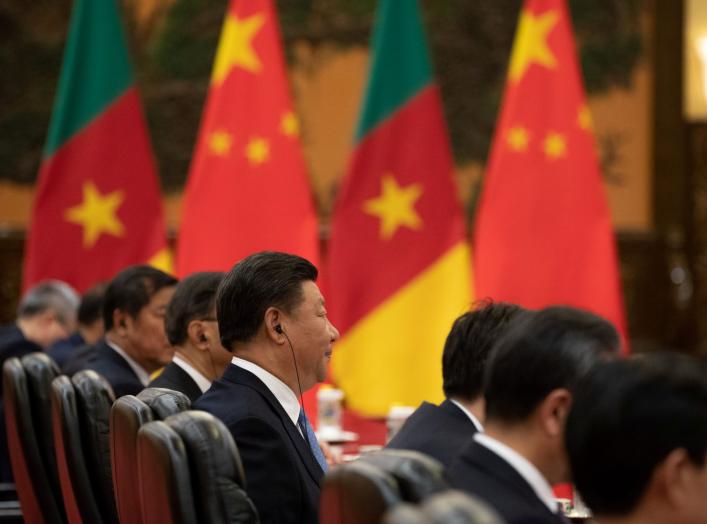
398,265
97,207
247,189
543,232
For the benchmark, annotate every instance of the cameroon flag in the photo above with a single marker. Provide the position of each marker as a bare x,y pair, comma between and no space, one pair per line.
399,262
97,207
248,190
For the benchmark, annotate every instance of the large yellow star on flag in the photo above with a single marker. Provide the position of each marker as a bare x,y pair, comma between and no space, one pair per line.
236,46
530,46
97,214
395,207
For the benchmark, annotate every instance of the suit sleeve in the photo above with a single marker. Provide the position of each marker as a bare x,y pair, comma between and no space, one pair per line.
272,481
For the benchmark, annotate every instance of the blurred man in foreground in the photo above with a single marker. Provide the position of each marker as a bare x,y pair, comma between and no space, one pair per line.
192,329
637,440
529,383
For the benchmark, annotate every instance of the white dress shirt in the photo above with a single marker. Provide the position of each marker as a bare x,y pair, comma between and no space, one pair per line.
525,469
474,420
282,392
142,375
201,381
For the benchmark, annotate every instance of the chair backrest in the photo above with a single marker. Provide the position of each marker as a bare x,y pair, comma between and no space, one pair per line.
94,398
163,477
405,513
357,493
128,414
217,478
456,507
418,476
76,484
40,504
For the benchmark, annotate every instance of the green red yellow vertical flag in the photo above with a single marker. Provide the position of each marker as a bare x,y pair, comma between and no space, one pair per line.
97,207
247,189
398,269
543,232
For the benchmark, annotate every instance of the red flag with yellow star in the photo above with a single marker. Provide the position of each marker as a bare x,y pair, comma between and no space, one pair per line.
97,207
398,272
543,233
247,189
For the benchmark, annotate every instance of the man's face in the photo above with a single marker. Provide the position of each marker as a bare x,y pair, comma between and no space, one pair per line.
220,356
145,334
311,335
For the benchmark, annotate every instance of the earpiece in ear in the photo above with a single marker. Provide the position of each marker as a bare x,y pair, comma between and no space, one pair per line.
202,338
278,328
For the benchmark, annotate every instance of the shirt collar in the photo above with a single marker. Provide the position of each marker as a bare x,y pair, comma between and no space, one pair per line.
523,466
284,395
201,381
474,420
142,375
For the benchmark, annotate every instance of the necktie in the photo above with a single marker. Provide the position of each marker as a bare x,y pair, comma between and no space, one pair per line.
311,439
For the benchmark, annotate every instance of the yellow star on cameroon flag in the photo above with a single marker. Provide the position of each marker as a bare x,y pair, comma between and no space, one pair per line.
530,46
395,206
97,214
236,46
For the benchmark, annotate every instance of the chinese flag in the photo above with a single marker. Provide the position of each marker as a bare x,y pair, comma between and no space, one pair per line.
97,208
543,233
247,189
399,268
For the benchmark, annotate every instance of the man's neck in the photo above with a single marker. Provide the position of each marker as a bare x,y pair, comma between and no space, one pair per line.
28,329
264,357
475,407
116,340
520,439
195,359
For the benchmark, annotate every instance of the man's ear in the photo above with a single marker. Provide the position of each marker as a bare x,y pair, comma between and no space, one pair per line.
674,477
121,321
272,319
553,411
197,335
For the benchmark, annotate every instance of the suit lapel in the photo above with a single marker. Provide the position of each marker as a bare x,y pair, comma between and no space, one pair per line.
112,355
181,378
241,376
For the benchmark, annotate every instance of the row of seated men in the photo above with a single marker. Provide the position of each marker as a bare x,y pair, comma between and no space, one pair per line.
534,398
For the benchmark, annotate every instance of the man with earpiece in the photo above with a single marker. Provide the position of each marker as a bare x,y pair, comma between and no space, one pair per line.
272,317
191,327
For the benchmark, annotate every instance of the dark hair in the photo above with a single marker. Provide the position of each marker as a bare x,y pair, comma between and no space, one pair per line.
543,351
256,283
468,346
194,299
131,290
91,307
626,417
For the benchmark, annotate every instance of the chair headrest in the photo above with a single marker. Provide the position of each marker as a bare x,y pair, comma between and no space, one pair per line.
164,402
418,476
456,507
405,513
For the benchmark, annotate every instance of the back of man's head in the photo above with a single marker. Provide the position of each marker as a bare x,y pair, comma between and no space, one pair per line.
627,419
193,299
256,283
468,346
91,307
541,352
53,295
131,290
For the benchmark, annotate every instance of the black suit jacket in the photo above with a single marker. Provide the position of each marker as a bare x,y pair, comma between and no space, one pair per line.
481,472
174,377
438,431
282,475
105,360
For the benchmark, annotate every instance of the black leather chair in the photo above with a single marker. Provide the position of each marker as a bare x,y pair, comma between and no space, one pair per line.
81,410
357,493
217,478
128,414
405,513
417,475
449,507
24,389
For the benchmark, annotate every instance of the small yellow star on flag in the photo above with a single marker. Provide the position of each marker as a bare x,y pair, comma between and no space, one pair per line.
289,124
530,46
257,151
236,46
584,117
97,214
555,145
220,143
395,207
518,138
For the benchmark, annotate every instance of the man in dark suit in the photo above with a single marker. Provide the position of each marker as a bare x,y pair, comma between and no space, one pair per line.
192,329
441,431
528,387
135,344
46,313
271,315
637,440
